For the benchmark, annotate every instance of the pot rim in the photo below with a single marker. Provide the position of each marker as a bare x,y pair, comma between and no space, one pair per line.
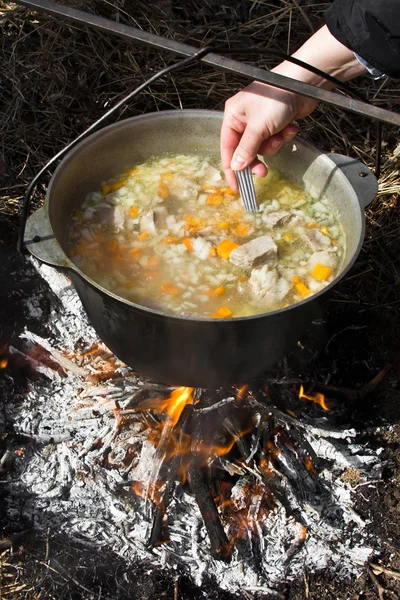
70,265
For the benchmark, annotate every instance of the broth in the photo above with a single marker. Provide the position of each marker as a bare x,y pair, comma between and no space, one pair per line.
169,234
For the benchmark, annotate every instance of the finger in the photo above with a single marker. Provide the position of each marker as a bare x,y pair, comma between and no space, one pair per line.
274,143
231,179
246,151
289,132
230,139
258,168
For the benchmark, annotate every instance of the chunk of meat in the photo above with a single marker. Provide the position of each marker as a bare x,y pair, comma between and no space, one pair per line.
278,218
182,188
297,220
109,215
316,240
283,218
118,217
256,252
102,215
160,217
211,174
323,257
267,286
147,223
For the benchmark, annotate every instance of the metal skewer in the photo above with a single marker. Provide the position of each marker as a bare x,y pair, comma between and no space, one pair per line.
247,190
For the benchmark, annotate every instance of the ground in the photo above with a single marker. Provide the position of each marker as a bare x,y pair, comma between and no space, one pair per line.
57,78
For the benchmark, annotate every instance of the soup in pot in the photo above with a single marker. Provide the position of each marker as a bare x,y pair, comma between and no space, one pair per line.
171,235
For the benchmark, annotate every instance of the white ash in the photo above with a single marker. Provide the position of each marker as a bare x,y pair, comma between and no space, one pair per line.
62,483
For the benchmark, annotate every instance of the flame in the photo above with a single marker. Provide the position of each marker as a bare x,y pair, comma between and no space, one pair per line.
173,405
208,450
242,392
144,491
303,534
317,398
3,363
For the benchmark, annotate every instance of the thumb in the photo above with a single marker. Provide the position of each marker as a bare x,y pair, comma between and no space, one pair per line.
247,149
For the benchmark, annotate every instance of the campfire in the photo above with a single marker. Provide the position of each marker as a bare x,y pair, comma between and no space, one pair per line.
250,483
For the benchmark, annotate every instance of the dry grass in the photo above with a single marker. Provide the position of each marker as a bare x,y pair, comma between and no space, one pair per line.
58,78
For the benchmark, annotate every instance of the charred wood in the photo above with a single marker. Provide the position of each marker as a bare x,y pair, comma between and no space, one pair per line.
220,547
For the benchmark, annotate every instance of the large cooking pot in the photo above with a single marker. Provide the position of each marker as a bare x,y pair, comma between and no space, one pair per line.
180,350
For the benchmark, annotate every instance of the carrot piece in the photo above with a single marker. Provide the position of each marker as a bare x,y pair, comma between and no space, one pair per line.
112,246
222,313
188,243
134,211
117,185
228,191
166,175
129,285
153,262
143,236
311,225
242,229
217,292
321,272
192,221
287,237
324,231
193,225
169,239
207,188
215,199
213,252
170,289
163,190
225,248
223,225
235,215
302,289
106,189
135,253
296,279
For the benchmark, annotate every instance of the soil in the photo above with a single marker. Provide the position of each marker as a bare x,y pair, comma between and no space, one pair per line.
357,335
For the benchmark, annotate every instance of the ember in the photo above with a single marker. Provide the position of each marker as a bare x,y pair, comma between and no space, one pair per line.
187,478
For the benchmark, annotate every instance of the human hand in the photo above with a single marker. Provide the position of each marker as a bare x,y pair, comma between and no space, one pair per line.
258,120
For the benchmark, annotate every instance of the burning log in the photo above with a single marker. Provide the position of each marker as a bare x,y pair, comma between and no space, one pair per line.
220,547
156,536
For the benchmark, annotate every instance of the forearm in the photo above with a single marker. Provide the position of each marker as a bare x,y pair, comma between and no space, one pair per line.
326,53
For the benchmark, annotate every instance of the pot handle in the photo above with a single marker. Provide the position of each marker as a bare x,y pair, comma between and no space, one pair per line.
361,178
39,239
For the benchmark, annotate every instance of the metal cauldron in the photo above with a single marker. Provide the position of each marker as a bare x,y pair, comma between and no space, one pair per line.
180,350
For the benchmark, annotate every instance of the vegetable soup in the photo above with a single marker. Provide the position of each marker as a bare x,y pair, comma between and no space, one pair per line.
169,234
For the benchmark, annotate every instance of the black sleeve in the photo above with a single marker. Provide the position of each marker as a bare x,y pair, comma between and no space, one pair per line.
371,28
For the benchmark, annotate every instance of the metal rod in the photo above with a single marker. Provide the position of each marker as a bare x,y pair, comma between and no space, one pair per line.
226,64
